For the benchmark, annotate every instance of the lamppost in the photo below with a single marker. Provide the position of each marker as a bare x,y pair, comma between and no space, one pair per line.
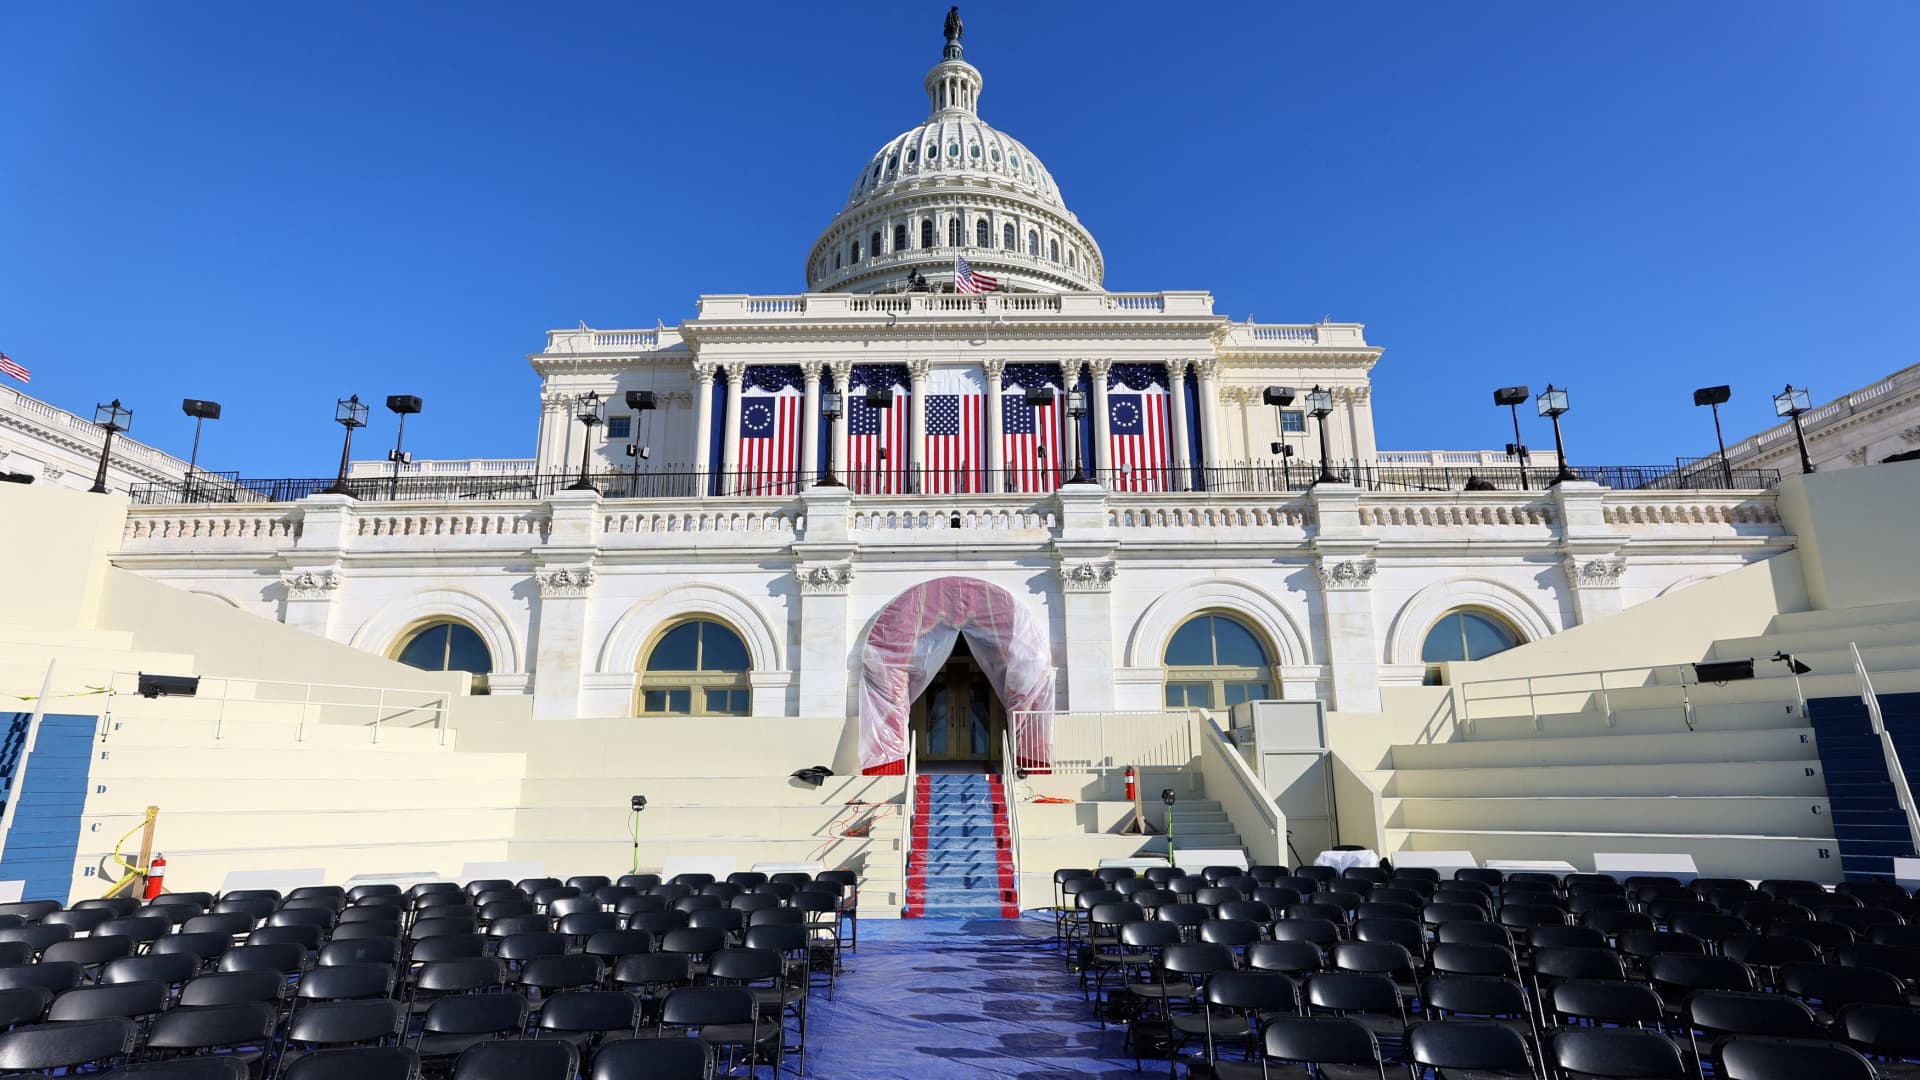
201,411
112,419
1280,397
1791,403
1552,402
590,411
1513,397
403,405
830,407
1320,405
1717,396
1166,796
641,402
1077,408
349,413
1038,397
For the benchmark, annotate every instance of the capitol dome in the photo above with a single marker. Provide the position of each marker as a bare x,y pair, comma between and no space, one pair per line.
954,186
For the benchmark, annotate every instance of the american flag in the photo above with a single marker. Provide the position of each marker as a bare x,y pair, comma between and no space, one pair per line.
1138,449
877,438
14,368
954,428
968,280
1030,435
770,422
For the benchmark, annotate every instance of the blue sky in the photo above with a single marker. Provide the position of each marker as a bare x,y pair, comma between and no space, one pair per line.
277,205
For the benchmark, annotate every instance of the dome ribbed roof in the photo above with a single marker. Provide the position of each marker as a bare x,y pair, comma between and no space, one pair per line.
953,144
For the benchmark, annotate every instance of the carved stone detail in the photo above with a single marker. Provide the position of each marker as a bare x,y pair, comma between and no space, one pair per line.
1347,573
736,371
564,581
919,369
1092,576
1100,367
994,368
825,579
1857,455
703,372
1596,573
1911,435
308,585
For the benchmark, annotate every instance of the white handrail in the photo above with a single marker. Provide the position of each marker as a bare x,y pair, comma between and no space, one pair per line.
18,787
1595,682
300,699
1009,773
1902,791
1243,777
906,818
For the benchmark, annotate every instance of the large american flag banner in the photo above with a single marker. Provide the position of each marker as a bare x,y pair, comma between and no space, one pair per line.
1030,435
1138,446
968,280
956,432
877,447
771,405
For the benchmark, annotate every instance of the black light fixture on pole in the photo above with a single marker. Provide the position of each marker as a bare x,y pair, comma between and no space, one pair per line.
831,408
349,413
642,403
1038,397
201,411
1552,402
404,405
590,411
881,398
1717,396
1790,403
1280,397
1077,408
112,419
1513,397
1166,796
1320,405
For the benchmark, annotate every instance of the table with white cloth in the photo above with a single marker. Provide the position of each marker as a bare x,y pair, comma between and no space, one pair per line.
1346,860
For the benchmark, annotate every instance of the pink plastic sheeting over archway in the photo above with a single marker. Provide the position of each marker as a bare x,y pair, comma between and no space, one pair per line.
912,638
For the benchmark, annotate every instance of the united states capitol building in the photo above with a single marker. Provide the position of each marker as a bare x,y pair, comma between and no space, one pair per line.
954,428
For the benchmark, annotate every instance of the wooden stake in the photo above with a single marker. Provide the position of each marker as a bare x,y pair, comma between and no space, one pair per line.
146,844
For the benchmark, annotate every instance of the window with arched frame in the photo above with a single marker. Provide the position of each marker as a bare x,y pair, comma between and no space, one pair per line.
1465,634
1053,250
1006,237
926,232
447,645
696,668
873,242
953,232
1215,661
982,233
855,257
899,238
1033,244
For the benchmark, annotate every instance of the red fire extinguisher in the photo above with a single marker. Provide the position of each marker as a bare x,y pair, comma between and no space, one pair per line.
156,876
1132,785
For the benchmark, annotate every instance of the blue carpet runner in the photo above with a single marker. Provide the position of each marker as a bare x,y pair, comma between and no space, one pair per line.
961,864
1869,827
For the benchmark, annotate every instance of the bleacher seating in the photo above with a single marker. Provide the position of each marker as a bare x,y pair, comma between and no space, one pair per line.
1254,973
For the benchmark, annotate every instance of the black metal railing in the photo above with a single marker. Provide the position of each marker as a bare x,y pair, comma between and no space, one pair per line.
1296,477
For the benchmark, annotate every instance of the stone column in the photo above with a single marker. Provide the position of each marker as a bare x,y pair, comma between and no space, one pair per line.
1590,549
730,441
810,425
823,573
1346,598
1209,417
702,424
917,372
1177,392
564,574
840,371
996,423
312,574
1101,426
1084,557
309,599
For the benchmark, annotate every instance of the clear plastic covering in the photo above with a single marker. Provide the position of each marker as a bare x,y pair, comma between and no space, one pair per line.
912,638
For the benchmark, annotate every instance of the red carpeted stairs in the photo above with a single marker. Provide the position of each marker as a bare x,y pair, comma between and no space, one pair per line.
960,865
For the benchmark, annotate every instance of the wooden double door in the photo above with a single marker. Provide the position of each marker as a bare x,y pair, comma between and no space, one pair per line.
959,718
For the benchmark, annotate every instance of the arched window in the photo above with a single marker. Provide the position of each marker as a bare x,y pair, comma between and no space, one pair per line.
836,260
445,645
926,232
1033,244
1214,662
1006,237
873,242
1071,264
899,238
697,668
1053,250
982,235
953,232
1467,635
856,252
